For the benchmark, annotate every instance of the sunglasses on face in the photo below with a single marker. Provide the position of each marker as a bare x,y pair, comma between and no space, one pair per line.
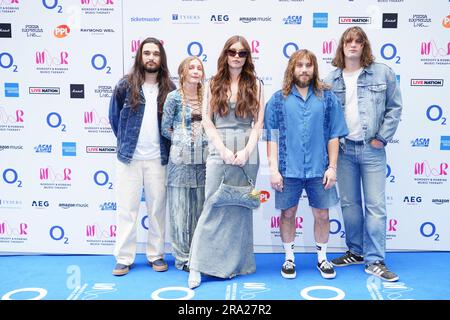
241,54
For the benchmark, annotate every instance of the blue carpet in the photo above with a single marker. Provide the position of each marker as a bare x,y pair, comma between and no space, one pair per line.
423,276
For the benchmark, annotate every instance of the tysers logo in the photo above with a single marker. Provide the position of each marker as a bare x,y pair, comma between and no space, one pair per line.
7,61
10,176
195,48
61,31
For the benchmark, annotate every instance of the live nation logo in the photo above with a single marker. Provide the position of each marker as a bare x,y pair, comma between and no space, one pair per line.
427,82
101,149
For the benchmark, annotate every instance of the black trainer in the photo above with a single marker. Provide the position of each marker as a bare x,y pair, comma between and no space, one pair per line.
347,259
380,270
288,270
326,269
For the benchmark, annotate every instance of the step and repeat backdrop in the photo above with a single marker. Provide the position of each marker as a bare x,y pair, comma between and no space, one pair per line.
60,60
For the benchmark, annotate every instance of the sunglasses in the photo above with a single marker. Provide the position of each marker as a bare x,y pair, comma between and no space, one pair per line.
241,54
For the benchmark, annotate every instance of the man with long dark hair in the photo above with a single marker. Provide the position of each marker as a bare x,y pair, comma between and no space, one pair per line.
135,113
303,123
372,103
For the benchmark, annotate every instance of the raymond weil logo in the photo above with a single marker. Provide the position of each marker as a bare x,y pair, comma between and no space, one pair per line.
5,30
427,82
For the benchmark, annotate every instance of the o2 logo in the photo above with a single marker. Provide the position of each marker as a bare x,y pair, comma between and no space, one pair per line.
101,178
389,51
57,233
99,62
289,48
195,48
389,174
52,4
10,176
338,229
428,230
7,61
144,222
54,120
435,113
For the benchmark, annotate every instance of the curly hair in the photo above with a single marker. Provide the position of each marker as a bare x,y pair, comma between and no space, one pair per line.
247,98
289,77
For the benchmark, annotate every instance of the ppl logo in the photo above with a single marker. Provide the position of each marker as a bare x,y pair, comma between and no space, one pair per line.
275,222
329,47
424,168
45,57
446,22
95,231
420,142
392,226
92,117
7,61
135,45
97,3
6,118
50,174
61,31
431,47
264,196
6,229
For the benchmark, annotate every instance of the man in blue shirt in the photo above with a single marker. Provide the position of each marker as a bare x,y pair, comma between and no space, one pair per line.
303,123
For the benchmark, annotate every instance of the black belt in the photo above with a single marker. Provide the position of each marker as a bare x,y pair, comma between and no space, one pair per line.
358,143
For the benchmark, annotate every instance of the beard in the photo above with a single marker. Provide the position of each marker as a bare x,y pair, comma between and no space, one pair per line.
303,84
152,69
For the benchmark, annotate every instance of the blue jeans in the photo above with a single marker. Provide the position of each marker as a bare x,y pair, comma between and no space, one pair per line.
361,164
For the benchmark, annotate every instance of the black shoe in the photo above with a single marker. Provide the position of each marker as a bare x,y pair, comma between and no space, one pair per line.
347,259
380,270
288,270
326,269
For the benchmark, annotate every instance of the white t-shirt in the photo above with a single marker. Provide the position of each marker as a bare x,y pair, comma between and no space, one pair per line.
351,105
147,147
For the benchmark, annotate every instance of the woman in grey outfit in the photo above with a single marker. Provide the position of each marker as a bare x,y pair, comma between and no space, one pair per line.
233,115
181,122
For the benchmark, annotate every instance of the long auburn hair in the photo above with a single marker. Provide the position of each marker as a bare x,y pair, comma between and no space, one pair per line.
137,76
247,98
183,70
289,77
351,33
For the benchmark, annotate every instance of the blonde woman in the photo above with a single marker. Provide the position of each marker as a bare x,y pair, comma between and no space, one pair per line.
181,123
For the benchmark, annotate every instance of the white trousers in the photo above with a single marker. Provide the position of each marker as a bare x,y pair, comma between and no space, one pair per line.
128,189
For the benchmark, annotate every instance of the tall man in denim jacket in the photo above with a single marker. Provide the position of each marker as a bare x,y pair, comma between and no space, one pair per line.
135,113
372,105
303,123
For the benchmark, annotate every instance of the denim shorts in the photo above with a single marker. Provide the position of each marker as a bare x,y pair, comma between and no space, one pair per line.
318,197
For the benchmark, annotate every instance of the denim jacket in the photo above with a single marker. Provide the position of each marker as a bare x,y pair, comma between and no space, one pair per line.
379,100
126,123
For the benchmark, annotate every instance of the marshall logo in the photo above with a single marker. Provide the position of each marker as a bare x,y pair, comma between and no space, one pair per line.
390,20
427,82
101,149
77,91
5,30
43,90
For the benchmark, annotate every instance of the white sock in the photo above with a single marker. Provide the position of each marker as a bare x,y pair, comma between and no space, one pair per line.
321,251
289,251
